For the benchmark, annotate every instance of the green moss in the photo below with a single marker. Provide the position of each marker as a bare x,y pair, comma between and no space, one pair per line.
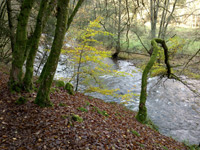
53,90
135,132
60,83
70,88
21,101
77,118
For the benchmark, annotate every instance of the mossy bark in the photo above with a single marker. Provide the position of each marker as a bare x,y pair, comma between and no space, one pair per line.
20,46
70,20
27,81
42,98
142,113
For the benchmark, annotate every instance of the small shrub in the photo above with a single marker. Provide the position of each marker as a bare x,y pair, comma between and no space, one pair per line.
21,101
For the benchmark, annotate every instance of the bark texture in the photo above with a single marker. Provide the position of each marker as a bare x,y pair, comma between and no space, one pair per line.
142,113
20,46
78,5
27,81
42,98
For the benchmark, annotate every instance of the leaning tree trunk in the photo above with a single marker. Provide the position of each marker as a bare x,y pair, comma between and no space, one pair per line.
142,113
27,81
42,98
20,46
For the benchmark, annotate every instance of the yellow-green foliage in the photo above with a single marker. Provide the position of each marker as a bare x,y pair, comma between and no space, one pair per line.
158,70
92,60
174,45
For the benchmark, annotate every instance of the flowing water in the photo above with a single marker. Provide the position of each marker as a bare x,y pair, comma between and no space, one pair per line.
171,105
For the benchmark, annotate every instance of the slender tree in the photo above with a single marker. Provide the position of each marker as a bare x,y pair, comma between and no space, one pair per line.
70,20
42,98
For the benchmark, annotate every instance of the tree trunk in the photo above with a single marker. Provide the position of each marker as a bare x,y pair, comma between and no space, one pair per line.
27,81
78,5
20,46
42,98
142,113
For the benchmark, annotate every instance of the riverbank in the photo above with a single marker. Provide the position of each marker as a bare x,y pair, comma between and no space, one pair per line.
192,69
75,122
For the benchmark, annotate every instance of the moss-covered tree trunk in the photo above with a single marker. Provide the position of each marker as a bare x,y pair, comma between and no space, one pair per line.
27,81
142,113
42,98
78,5
20,46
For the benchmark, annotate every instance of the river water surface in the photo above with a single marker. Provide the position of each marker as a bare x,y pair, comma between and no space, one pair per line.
170,104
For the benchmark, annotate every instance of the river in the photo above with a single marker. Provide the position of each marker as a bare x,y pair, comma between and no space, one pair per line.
170,104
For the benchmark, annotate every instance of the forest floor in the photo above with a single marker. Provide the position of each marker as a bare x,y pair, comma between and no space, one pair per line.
74,122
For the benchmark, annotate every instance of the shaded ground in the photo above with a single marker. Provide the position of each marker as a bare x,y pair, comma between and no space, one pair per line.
104,125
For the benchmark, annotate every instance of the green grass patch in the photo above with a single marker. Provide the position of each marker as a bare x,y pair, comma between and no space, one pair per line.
82,109
135,132
191,147
87,103
150,124
101,112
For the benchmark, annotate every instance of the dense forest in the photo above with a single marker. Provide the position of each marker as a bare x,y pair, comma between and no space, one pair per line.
99,74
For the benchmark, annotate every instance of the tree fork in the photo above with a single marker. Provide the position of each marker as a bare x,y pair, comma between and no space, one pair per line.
142,113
